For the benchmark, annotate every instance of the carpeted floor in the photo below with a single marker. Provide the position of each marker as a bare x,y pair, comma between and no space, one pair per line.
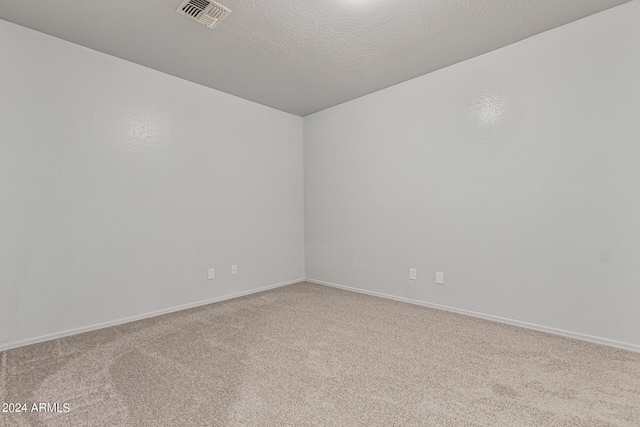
312,355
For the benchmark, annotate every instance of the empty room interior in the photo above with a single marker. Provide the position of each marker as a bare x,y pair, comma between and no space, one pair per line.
329,212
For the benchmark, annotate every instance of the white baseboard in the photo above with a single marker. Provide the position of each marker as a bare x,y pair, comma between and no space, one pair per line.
62,334
561,332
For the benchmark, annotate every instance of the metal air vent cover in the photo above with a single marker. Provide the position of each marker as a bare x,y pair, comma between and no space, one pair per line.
206,12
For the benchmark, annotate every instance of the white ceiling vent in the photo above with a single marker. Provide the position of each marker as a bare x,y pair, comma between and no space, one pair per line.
204,11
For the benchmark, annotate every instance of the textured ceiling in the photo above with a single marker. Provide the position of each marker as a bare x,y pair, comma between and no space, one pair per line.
299,56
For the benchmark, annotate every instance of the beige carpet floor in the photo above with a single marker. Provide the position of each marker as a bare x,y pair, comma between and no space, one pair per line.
312,355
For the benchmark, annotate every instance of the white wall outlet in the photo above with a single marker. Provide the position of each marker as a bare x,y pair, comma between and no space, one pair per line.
439,277
412,273
211,273
234,269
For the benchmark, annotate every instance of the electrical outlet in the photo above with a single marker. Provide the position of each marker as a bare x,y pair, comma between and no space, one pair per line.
439,277
412,274
234,269
211,273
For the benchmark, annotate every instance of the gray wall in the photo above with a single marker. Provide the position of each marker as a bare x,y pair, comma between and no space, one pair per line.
120,186
516,173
